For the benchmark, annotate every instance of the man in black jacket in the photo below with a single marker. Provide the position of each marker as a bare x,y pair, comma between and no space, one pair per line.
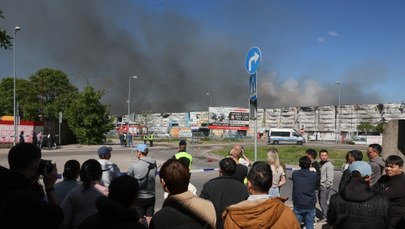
224,190
22,202
357,206
304,199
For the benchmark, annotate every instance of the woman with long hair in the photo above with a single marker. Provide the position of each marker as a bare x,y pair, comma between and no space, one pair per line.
80,202
278,172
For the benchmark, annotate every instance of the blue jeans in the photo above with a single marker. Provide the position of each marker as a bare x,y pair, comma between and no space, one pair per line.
308,215
274,192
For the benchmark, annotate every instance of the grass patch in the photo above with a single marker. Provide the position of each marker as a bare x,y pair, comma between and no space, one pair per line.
288,154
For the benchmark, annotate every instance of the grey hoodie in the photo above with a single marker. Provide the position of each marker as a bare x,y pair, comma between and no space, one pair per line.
377,167
138,170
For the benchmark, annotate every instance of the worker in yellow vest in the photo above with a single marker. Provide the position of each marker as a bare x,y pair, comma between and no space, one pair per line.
183,153
151,136
145,138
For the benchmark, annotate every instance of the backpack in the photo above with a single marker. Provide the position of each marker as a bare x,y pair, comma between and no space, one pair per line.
144,180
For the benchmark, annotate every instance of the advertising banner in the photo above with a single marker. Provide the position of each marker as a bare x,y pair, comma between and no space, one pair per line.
228,118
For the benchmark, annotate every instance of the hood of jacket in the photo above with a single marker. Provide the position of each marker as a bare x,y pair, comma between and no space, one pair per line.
379,161
202,208
260,213
357,190
113,211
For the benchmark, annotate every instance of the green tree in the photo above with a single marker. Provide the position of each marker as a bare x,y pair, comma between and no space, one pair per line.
7,92
365,127
88,118
5,39
48,93
6,95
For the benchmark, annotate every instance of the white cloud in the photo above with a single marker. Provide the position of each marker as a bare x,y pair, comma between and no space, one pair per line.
320,39
333,34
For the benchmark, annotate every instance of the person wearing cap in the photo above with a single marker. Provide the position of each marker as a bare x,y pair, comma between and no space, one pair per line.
144,170
392,185
357,206
352,156
183,153
70,174
110,169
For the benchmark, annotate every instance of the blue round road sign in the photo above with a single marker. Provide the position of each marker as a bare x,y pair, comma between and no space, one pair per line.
253,58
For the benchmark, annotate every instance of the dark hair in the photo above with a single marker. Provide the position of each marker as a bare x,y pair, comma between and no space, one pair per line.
260,176
91,171
227,166
376,147
312,153
304,162
323,151
123,189
71,170
176,176
22,155
356,154
394,160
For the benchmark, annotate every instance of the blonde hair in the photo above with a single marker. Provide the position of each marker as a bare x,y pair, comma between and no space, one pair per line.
272,158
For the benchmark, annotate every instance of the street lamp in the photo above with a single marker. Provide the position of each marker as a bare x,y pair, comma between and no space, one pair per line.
16,29
339,111
209,94
129,96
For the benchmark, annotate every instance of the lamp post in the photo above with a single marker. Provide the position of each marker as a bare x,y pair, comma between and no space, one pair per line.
339,111
129,96
16,29
208,119
209,94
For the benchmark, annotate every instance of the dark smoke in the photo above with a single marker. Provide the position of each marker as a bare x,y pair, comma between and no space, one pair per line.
178,60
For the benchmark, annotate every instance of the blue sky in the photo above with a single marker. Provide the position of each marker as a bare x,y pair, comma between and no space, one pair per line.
183,49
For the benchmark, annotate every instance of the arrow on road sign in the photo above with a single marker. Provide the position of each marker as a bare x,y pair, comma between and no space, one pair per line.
252,59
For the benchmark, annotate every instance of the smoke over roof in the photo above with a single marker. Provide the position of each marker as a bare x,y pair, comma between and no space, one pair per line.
178,60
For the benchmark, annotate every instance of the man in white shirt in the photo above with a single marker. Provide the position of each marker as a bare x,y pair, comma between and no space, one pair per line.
110,169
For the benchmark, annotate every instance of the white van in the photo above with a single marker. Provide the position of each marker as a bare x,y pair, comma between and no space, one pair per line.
284,135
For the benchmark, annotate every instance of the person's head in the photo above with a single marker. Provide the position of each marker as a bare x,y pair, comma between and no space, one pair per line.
360,169
124,189
272,157
90,173
182,145
260,178
374,150
323,155
174,176
141,150
311,153
304,162
236,152
355,155
24,158
227,166
71,170
393,165
104,152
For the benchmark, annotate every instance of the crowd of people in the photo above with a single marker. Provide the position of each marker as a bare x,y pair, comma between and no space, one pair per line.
246,194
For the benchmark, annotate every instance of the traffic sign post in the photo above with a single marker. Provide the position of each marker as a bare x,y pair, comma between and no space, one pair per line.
252,64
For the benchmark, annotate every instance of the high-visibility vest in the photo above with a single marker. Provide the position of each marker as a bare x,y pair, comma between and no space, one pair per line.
151,137
145,137
186,155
